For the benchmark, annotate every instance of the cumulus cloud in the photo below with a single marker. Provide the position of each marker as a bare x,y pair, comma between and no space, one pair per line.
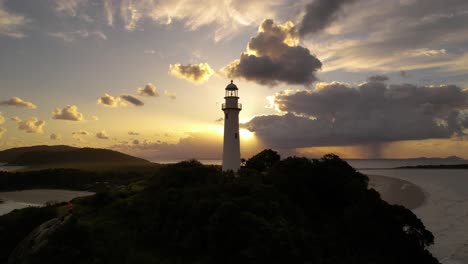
15,119
69,112
131,100
148,90
10,23
55,136
109,100
18,102
170,94
196,73
321,13
372,113
133,133
95,118
80,133
2,131
2,119
32,125
102,135
274,56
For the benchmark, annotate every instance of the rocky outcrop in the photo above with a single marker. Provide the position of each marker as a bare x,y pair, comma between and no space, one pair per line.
35,241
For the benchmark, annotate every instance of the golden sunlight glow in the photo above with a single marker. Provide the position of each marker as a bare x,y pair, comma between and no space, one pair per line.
245,134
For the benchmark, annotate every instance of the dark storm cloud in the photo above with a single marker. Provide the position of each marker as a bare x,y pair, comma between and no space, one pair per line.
377,78
273,56
321,13
132,100
336,114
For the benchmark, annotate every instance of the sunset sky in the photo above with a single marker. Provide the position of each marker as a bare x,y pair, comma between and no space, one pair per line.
360,78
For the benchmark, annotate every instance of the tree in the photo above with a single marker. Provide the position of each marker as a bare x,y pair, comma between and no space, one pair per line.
263,160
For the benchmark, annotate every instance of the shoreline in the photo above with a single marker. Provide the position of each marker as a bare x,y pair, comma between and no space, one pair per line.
36,197
398,191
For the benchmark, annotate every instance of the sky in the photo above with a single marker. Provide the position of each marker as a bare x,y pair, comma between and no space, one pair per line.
359,78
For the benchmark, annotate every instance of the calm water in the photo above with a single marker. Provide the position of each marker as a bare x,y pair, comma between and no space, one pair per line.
362,163
9,168
445,212
38,197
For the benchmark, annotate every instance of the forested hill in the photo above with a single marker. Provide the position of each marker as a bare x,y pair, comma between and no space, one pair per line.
51,155
9,155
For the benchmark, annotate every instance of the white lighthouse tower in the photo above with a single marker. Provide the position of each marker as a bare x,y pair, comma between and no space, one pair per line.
231,147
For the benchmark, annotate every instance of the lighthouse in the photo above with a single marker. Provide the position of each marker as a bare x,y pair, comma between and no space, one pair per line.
231,146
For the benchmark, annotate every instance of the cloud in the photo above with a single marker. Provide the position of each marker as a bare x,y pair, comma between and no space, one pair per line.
227,18
170,95
69,112
2,119
337,114
203,145
55,136
133,133
15,119
136,142
196,73
396,35
102,135
18,102
221,119
69,7
32,125
123,100
80,133
273,56
377,78
193,145
109,100
73,35
95,118
132,100
10,23
148,90
321,13
2,131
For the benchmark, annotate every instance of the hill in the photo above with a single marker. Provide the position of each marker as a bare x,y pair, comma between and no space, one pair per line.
41,157
294,210
9,155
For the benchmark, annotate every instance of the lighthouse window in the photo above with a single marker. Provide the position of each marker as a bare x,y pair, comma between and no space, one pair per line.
236,135
226,116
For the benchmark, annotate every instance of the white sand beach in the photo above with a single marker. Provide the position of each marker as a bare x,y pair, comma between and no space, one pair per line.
397,191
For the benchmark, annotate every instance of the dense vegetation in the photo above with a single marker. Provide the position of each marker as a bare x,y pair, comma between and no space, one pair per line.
71,179
294,210
9,155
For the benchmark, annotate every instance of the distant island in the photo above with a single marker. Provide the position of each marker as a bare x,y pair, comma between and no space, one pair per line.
68,157
440,166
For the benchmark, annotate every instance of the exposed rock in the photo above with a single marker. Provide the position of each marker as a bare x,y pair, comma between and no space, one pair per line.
35,241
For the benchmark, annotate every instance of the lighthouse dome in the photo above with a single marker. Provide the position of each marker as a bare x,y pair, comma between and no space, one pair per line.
231,86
